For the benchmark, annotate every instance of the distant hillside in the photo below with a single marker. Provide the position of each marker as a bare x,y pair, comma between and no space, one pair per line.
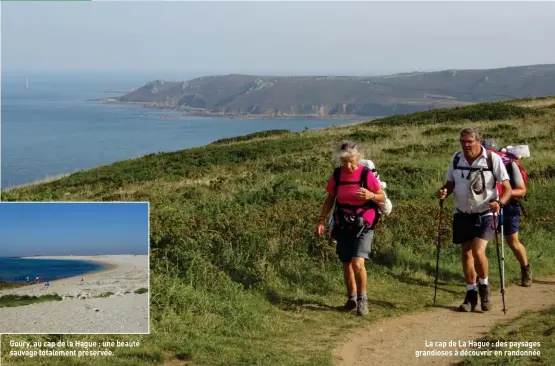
328,96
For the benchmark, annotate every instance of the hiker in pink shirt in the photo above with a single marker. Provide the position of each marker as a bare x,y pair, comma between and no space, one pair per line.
355,191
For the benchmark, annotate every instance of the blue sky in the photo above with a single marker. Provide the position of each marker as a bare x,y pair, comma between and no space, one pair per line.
73,228
257,37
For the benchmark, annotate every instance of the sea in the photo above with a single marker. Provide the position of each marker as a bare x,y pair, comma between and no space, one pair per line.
52,128
15,270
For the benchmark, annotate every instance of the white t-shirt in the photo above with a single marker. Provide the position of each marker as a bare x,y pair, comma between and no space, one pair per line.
475,200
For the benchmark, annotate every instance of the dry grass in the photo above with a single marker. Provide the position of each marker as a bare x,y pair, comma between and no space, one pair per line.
536,103
46,179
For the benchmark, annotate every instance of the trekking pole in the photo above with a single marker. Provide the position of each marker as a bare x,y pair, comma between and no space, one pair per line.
499,261
438,244
502,251
329,221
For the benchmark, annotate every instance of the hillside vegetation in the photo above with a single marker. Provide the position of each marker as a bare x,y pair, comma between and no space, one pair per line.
329,96
237,274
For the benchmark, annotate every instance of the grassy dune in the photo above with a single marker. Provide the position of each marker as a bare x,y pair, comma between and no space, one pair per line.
17,300
237,275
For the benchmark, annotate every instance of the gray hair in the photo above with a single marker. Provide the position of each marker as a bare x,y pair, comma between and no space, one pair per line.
473,131
347,149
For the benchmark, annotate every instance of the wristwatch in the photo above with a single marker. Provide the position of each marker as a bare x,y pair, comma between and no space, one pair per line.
499,203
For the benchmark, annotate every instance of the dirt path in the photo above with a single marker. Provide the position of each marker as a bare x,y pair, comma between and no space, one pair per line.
394,341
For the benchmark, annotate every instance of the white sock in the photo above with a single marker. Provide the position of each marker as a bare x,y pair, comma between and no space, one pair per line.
471,287
483,281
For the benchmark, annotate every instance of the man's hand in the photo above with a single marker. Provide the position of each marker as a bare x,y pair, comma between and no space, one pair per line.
494,206
442,193
445,190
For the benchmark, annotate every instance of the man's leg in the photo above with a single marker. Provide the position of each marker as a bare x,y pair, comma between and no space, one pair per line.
468,263
480,258
471,298
510,228
485,231
520,253
518,249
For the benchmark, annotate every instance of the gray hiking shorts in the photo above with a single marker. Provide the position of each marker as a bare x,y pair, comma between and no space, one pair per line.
350,246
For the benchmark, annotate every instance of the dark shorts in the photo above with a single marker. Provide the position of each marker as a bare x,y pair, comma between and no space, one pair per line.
511,219
468,227
349,246
511,224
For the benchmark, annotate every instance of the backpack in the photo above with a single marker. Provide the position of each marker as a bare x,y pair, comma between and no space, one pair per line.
353,220
489,168
507,159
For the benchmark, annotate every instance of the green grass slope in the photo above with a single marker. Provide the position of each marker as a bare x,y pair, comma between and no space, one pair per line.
237,275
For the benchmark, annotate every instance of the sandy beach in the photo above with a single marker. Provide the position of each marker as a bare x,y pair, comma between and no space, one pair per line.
81,310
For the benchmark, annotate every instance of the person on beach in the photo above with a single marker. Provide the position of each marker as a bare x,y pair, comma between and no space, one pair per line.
355,193
471,177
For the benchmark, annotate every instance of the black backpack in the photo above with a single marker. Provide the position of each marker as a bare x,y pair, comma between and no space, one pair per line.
489,168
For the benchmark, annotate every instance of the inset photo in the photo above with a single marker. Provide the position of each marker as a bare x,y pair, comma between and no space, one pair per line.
74,267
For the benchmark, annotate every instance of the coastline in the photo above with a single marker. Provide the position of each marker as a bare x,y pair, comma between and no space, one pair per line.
103,301
121,273
354,120
206,114
107,265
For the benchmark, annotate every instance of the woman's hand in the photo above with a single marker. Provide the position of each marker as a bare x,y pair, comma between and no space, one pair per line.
364,194
320,228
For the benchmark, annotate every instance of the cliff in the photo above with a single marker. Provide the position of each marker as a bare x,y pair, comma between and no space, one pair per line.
327,96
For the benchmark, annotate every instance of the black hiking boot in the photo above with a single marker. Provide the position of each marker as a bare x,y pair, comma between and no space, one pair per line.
470,301
485,294
350,305
526,279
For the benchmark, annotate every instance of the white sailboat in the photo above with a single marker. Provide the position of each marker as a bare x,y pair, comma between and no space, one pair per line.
26,82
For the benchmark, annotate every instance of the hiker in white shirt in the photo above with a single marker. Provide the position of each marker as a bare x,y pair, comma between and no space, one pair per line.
472,176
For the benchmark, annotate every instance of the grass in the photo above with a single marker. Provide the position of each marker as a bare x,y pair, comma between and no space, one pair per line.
4,285
494,111
7,301
105,294
141,290
237,275
252,136
531,327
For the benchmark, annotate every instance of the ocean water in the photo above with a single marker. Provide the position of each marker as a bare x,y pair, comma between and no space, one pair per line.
50,129
16,269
